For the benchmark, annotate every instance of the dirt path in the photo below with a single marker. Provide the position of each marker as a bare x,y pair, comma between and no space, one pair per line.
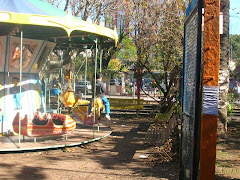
119,156
115,157
228,152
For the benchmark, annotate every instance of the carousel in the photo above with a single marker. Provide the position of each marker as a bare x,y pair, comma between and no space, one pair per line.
29,31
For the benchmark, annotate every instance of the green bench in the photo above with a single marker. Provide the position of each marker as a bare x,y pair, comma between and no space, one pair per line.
117,104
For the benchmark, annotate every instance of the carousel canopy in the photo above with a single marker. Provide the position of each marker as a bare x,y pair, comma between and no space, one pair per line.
37,7
38,19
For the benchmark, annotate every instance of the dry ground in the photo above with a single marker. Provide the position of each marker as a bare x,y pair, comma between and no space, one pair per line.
119,156
228,152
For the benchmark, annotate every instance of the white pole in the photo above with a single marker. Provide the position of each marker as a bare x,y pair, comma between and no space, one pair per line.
95,77
49,99
85,76
20,90
62,80
45,94
74,77
100,68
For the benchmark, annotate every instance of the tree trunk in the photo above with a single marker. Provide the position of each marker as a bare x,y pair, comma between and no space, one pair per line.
224,72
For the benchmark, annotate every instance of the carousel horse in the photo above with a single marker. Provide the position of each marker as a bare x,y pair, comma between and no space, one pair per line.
98,106
80,110
79,106
68,98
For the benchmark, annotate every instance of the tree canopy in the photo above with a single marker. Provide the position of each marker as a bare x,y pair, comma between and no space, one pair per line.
235,48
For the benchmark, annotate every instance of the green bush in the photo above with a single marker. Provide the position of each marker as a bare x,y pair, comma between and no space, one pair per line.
231,99
129,91
230,109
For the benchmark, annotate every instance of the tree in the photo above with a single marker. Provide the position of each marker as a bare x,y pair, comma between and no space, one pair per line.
127,52
235,48
234,57
84,9
125,57
223,73
157,32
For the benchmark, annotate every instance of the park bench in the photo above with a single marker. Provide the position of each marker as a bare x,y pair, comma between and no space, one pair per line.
119,104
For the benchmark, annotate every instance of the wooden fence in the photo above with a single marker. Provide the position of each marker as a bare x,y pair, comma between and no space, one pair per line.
158,134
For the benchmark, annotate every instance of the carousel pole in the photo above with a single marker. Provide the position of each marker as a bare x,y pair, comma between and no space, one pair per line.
58,105
110,75
45,93
60,81
100,68
2,124
20,90
49,98
85,76
42,94
73,71
72,65
94,95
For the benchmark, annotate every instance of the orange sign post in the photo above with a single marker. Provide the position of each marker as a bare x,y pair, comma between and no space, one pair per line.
211,61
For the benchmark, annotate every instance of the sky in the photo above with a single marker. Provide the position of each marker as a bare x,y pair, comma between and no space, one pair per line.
234,11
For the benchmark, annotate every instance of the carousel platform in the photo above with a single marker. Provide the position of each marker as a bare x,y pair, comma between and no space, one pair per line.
81,135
